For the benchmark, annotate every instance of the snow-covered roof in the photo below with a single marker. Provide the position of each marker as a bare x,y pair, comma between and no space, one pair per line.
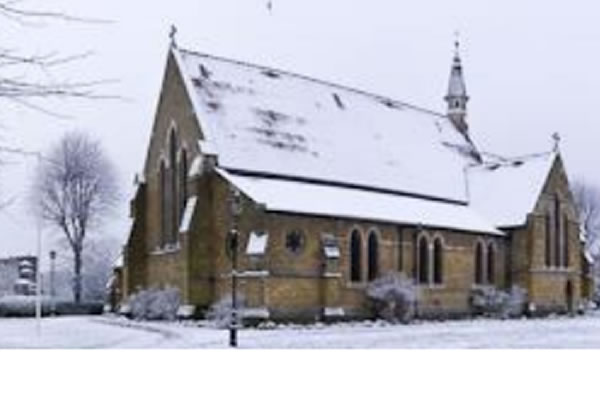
263,120
505,192
188,213
279,195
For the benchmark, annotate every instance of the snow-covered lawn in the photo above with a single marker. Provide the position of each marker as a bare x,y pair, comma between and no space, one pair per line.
115,332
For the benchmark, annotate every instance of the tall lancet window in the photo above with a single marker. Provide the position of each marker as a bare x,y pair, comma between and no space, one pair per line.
162,183
423,261
557,233
565,228
373,256
548,239
479,264
173,203
355,257
438,262
491,264
183,171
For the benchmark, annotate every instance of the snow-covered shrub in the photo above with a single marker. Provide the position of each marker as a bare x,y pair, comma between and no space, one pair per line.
155,304
219,314
393,297
22,306
492,302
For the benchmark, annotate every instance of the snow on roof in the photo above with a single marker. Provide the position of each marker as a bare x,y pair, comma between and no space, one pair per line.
505,192
263,120
196,167
188,213
325,200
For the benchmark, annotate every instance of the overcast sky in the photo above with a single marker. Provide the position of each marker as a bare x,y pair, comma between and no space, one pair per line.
532,68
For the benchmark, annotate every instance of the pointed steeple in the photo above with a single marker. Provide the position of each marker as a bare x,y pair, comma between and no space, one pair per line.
457,97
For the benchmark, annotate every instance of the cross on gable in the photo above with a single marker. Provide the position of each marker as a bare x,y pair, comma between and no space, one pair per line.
172,35
556,138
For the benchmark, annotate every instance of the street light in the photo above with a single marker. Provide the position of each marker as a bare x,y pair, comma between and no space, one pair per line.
233,243
52,277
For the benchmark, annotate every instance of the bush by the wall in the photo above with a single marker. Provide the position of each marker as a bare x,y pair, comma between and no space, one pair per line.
492,302
393,297
155,304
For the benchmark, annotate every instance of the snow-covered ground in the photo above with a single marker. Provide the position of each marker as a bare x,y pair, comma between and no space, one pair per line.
115,332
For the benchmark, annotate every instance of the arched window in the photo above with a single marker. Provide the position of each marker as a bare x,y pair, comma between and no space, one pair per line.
183,171
438,262
355,257
423,262
479,264
565,241
557,235
162,183
373,256
491,264
548,239
173,203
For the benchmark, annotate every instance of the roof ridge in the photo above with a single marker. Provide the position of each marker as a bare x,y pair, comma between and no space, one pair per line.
317,80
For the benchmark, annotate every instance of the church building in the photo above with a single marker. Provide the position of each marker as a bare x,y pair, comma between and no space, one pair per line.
330,187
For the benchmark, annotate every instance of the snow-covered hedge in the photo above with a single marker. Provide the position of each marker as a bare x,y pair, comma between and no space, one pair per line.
393,297
21,306
219,314
24,306
155,304
492,302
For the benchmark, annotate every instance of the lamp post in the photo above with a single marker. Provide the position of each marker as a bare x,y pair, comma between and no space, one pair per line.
52,277
233,243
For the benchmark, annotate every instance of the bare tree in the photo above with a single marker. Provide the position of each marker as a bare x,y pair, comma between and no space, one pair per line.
75,190
587,202
27,78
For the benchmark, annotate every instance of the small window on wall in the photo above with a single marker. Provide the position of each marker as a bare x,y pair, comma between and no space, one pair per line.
294,242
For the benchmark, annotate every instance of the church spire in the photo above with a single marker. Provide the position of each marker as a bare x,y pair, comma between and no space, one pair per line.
457,97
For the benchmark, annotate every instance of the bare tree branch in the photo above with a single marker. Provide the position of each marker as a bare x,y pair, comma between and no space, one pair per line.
27,79
11,10
587,202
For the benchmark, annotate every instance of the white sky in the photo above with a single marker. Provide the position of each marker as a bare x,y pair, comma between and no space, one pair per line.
531,68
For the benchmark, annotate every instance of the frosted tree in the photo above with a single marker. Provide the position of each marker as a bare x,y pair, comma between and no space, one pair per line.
587,202
74,191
